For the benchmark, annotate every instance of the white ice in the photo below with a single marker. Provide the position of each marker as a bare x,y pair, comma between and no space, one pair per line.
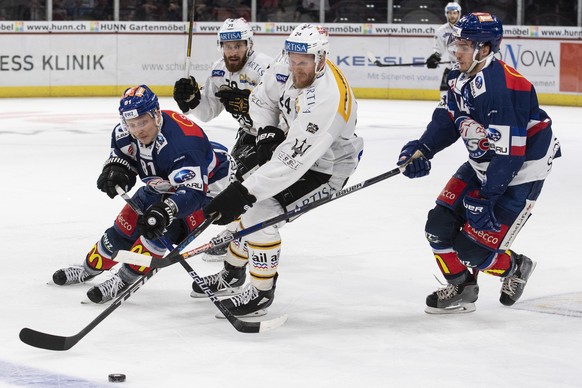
354,274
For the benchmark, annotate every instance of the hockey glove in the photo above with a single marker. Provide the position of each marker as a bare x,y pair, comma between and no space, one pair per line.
187,93
235,101
230,203
116,171
414,158
154,222
433,61
268,139
479,213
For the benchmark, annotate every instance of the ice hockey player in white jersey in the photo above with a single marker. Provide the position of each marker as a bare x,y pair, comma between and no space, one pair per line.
232,79
441,40
310,157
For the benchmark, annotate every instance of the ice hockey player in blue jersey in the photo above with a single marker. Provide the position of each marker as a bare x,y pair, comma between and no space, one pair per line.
511,146
182,170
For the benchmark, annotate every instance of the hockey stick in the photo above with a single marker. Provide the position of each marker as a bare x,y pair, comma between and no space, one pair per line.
372,58
56,342
48,341
238,324
135,258
190,32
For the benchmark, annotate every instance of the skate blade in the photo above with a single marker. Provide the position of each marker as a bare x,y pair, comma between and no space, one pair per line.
456,309
213,258
256,314
219,294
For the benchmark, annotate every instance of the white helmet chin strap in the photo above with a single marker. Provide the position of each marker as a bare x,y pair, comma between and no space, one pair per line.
478,61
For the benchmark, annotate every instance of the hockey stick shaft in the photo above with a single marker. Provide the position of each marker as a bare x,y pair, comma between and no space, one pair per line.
189,47
60,343
239,325
134,258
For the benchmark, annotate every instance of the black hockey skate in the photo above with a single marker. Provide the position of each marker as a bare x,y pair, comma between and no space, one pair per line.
227,282
107,290
74,274
454,298
514,284
252,302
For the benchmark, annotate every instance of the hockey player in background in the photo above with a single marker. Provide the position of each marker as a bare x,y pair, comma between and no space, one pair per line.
482,208
228,87
309,157
441,39
182,170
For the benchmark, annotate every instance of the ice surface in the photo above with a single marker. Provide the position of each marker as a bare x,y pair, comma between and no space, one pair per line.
353,276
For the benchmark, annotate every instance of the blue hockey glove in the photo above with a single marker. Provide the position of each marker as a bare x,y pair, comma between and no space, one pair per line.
155,221
479,213
230,203
414,157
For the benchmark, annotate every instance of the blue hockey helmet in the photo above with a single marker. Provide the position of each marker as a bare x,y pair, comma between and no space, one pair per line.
480,27
137,101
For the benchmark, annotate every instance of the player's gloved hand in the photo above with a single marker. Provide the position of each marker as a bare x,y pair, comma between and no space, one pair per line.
156,219
116,171
187,93
433,61
268,139
230,203
235,101
479,212
414,158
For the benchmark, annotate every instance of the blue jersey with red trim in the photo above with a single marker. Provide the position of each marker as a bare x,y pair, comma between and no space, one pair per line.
496,113
181,154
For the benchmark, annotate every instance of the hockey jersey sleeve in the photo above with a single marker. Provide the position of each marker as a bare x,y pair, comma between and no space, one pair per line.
440,132
210,106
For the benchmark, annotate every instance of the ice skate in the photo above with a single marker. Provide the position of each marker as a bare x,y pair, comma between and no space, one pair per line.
252,302
227,282
74,274
107,290
514,284
453,299
215,255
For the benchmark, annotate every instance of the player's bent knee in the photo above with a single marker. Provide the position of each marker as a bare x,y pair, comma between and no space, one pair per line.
441,226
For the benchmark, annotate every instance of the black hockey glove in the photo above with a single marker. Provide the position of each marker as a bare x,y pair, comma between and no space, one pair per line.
414,158
268,139
433,61
187,93
157,218
230,203
235,101
116,171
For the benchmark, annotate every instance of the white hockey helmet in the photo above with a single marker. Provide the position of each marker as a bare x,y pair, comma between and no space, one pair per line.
452,7
309,39
234,30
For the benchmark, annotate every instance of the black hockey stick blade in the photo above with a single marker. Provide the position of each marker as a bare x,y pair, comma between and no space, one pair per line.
372,58
48,341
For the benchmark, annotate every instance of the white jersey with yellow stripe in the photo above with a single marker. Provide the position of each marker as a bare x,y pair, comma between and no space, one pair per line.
320,123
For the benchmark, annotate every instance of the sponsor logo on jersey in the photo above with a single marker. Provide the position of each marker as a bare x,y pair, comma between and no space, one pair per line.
218,73
312,128
300,148
477,86
288,160
281,78
184,175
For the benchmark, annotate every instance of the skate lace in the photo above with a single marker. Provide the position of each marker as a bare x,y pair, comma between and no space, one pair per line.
447,292
246,296
76,273
218,279
112,286
510,285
